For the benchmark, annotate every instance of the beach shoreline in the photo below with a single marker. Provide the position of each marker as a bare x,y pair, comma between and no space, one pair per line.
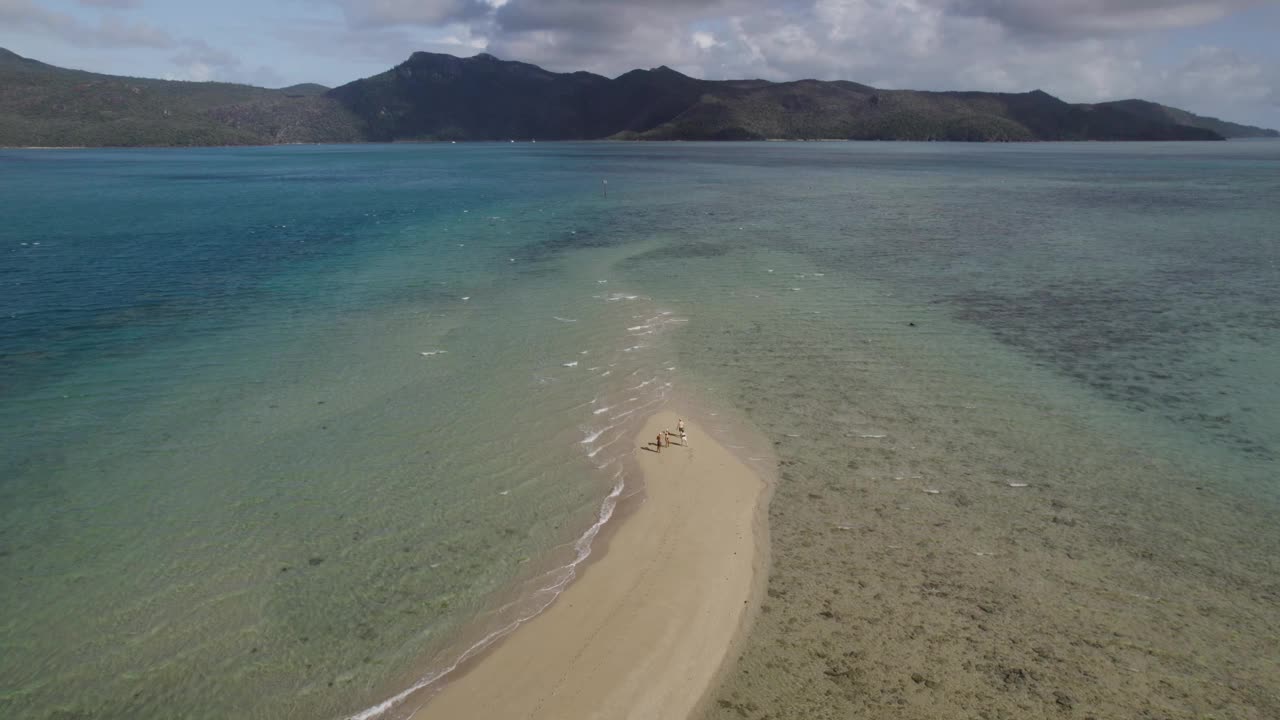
649,626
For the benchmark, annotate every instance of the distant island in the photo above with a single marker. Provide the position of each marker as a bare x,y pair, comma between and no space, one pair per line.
433,97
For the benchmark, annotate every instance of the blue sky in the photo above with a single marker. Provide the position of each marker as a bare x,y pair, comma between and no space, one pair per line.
1215,57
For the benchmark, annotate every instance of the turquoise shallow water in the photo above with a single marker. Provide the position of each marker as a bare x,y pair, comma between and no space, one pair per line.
280,424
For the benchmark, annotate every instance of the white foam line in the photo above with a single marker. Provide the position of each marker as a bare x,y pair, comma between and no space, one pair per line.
565,320
583,547
646,382
592,437
655,401
394,700
606,408
570,364
502,608
618,437
640,407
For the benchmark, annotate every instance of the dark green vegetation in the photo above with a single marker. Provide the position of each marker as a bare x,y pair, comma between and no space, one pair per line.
1164,113
43,105
441,97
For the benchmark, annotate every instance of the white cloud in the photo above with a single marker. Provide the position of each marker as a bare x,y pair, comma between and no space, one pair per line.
119,4
1210,69
392,13
1218,81
199,61
705,40
1094,16
111,30
198,53
1080,50
195,72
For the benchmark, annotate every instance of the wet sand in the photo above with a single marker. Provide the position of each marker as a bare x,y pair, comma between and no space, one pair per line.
646,629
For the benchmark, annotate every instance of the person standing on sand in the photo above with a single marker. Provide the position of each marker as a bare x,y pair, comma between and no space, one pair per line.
680,426
658,443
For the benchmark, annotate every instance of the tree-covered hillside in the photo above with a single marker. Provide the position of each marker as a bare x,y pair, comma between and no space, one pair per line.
43,105
441,97
1158,112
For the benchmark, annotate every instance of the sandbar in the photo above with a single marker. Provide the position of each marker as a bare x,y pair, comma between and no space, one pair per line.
645,631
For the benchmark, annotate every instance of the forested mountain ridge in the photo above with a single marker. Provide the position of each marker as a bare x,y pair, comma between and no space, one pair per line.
442,97
44,105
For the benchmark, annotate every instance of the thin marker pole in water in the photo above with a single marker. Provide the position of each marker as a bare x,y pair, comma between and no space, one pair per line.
605,186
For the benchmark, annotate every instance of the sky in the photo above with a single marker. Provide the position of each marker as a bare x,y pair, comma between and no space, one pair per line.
1215,57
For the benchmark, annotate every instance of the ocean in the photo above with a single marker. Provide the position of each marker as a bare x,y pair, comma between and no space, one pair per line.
287,431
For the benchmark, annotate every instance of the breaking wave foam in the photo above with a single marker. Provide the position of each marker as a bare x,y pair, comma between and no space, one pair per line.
558,579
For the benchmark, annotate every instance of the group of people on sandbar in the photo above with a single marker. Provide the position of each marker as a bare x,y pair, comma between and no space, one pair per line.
664,437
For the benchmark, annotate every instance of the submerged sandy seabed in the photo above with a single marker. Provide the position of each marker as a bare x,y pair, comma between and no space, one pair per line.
645,631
